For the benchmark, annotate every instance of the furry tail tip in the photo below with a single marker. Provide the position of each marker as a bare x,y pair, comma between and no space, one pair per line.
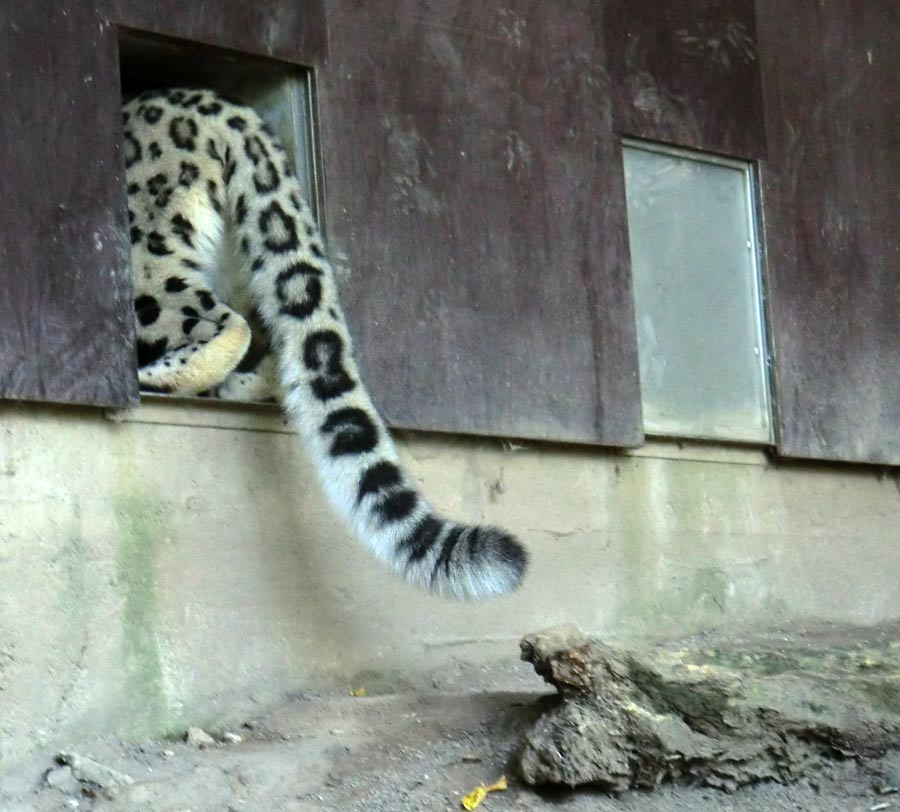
467,563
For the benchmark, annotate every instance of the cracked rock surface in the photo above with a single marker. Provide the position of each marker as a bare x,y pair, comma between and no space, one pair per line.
722,711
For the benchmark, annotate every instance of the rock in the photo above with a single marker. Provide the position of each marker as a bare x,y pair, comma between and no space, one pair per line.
63,779
231,738
197,737
725,713
93,772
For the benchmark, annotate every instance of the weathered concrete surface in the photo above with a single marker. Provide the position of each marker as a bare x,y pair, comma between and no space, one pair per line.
179,566
721,711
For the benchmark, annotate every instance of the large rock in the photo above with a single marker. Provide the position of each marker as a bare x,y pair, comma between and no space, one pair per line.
723,712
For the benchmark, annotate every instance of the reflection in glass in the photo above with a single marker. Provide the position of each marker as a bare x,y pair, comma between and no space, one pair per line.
697,295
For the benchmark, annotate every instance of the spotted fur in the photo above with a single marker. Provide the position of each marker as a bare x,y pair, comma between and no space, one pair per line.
216,215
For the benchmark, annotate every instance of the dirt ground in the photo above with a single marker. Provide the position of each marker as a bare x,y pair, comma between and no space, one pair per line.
399,752
424,747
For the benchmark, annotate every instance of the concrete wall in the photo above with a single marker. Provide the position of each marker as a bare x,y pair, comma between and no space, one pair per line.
178,564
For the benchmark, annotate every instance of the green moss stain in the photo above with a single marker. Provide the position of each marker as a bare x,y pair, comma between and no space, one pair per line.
640,608
73,599
140,522
676,582
708,588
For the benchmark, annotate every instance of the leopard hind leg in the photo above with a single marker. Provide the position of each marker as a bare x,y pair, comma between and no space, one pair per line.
188,340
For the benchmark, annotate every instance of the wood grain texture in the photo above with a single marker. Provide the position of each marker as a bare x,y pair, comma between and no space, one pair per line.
831,197
686,72
290,30
476,190
66,324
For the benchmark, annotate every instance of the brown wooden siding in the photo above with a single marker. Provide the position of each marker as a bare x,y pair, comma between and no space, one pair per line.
65,303
686,72
476,190
831,197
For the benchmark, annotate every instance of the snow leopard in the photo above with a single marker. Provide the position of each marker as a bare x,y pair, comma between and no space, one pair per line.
222,238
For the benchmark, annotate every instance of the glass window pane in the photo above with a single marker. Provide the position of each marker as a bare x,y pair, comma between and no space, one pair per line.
697,295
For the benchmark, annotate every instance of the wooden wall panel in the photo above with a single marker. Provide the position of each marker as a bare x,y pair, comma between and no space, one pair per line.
473,182
292,30
65,305
686,72
474,186
831,197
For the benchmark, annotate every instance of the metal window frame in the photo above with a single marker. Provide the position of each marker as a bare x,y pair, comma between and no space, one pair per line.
750,174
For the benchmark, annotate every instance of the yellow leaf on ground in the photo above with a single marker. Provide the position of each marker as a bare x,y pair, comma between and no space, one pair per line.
476,796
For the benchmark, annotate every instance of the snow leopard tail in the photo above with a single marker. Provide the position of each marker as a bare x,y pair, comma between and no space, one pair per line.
294,288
